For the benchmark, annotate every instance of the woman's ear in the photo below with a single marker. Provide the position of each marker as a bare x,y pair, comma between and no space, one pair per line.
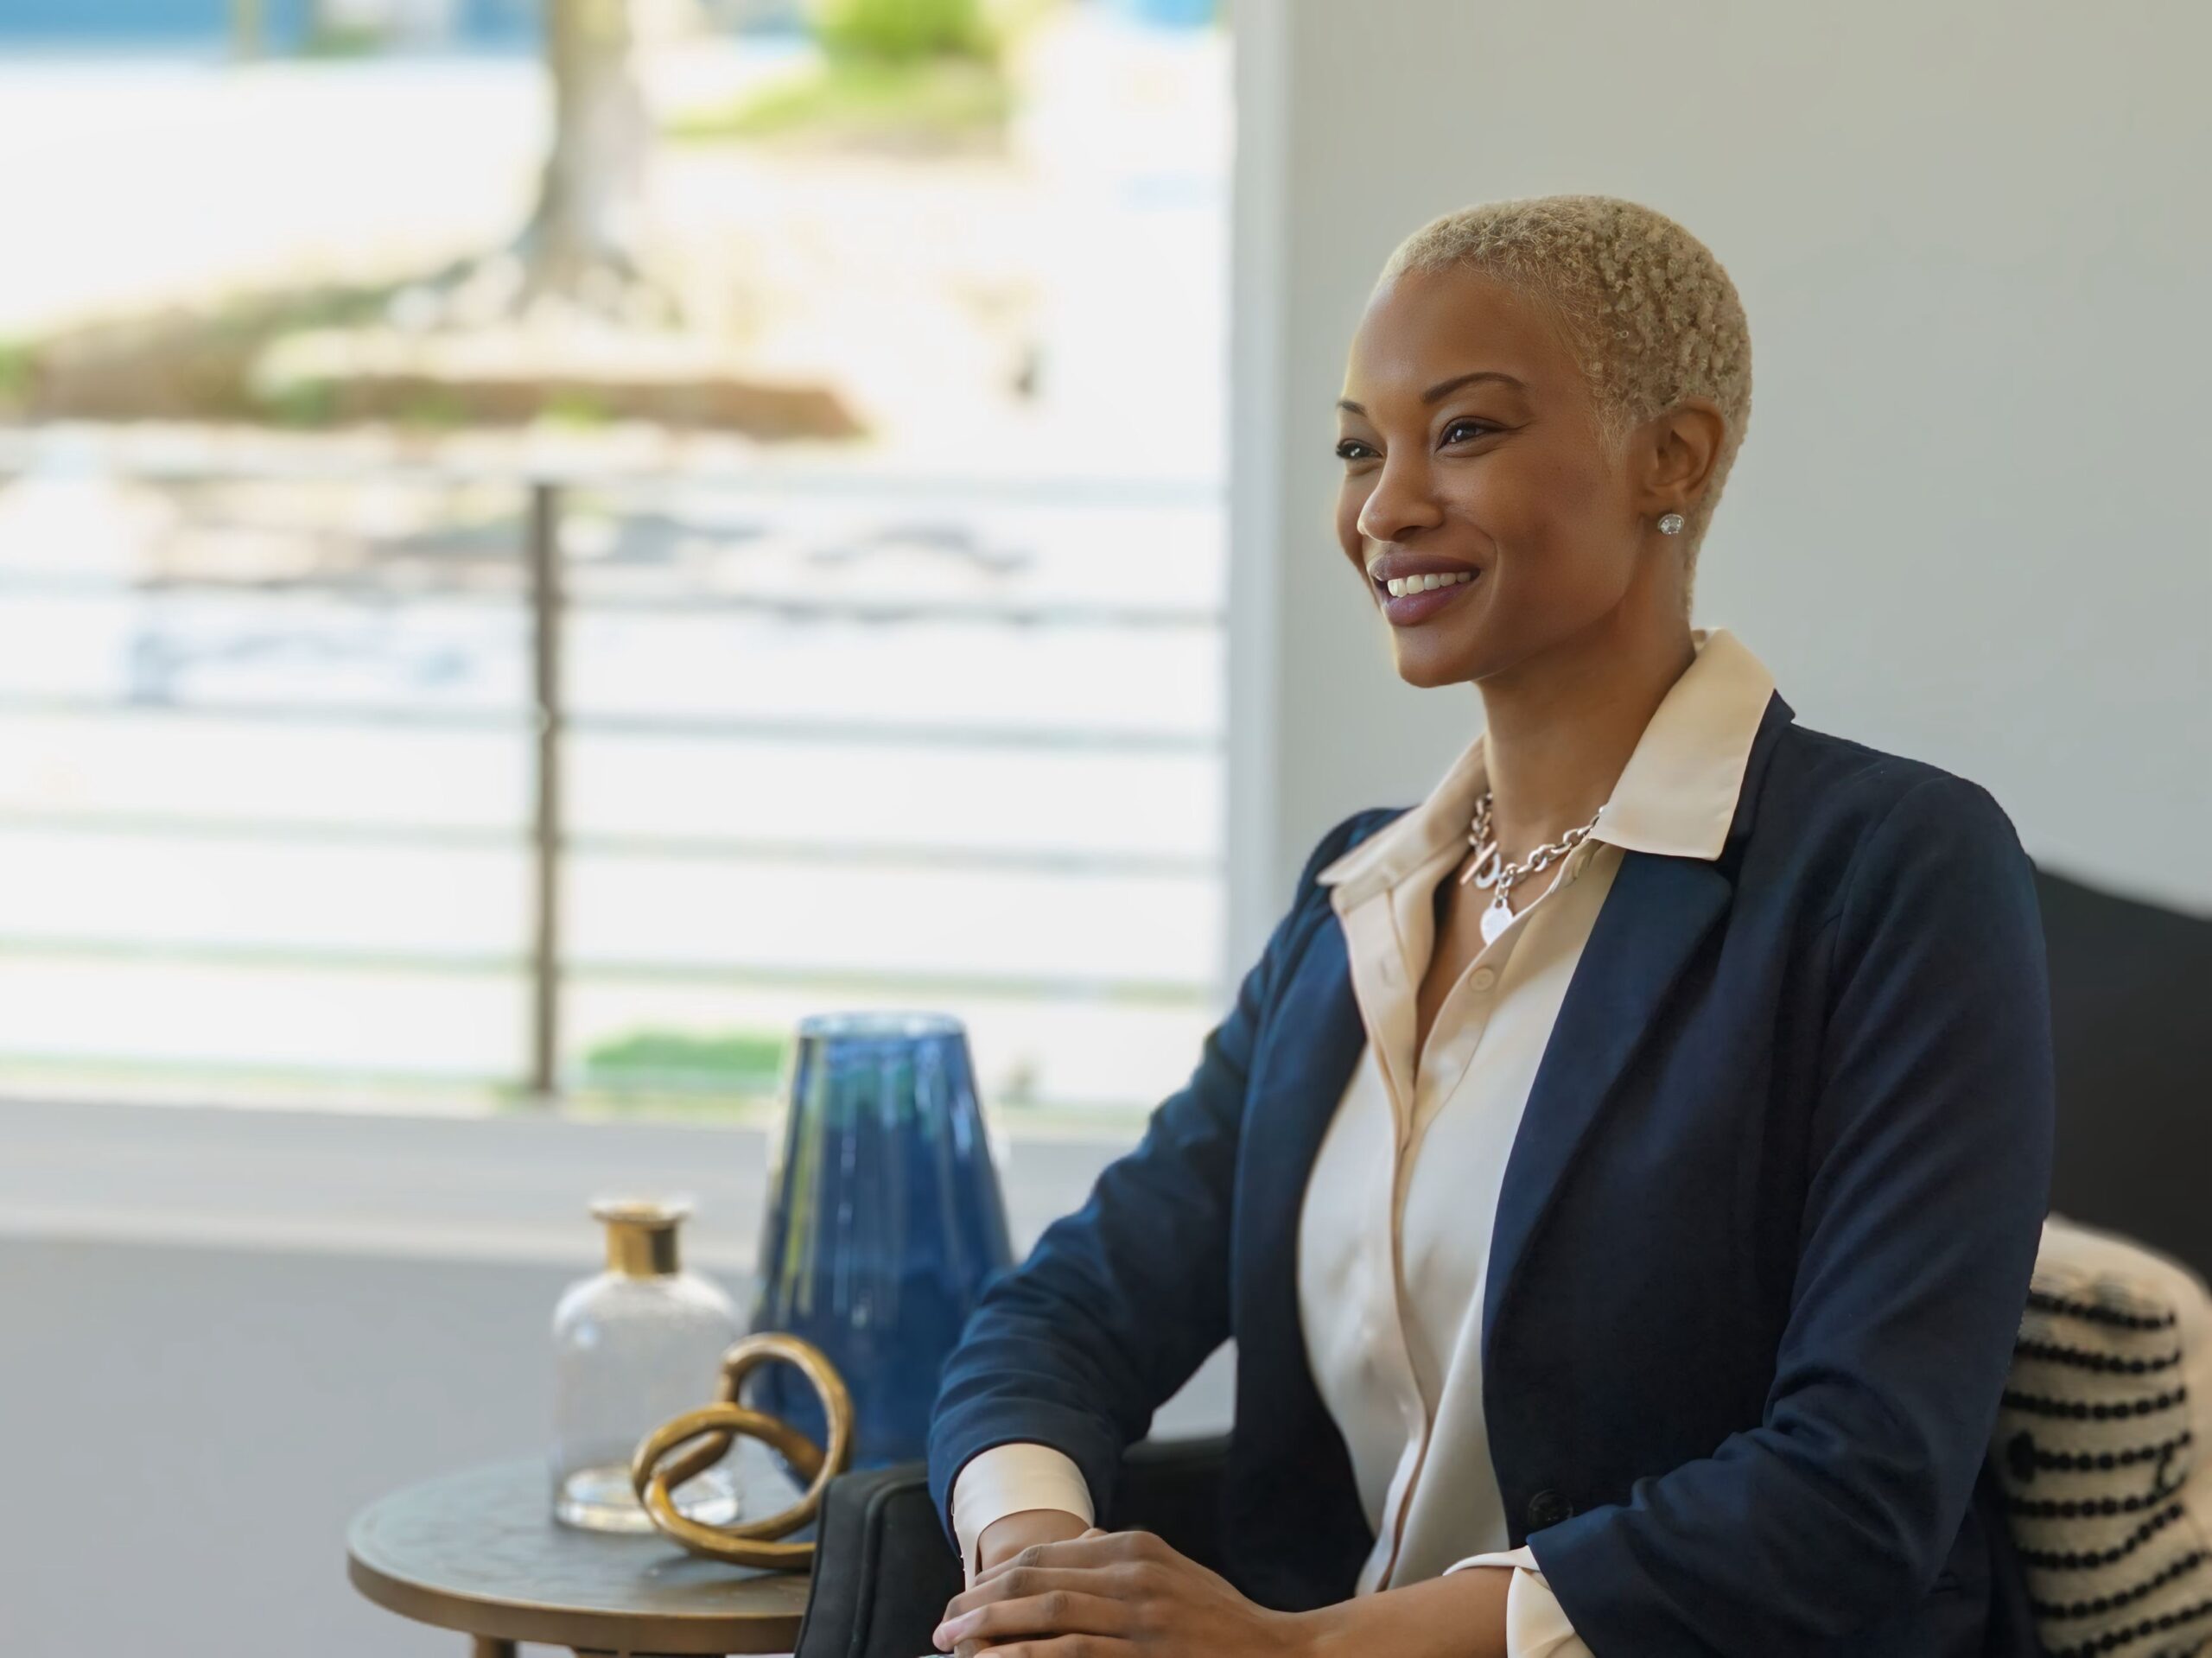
1676,455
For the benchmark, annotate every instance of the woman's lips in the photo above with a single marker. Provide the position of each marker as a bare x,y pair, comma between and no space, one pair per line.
1410,608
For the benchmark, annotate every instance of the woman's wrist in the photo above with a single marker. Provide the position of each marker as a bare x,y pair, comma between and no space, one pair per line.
1347,1629
1007,1536
1461,1615
1325,1632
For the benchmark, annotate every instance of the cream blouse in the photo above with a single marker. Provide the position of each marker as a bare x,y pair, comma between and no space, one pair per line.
1394,1231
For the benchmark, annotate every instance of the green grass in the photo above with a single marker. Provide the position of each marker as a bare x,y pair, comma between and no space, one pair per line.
574,407
736,1062
194,362
303,403
432,410
924,98
903,29
15,375
328,40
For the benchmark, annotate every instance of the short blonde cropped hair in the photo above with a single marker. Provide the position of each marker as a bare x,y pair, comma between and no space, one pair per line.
1646,308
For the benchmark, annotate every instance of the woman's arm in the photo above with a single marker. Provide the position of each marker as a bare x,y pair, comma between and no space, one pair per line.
1121,1301
1931,1153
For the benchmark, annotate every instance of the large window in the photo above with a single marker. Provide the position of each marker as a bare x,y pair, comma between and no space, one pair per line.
528,565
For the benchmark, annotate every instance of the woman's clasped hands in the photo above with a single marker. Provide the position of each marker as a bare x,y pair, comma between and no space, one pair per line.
1112,1595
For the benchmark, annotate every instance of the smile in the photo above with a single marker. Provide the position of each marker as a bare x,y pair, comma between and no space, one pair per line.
1411,599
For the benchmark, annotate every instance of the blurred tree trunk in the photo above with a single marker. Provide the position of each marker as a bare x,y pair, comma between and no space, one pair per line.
245,29
581,243
579,252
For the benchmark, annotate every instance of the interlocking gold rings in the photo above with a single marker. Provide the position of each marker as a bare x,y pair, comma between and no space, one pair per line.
717,1427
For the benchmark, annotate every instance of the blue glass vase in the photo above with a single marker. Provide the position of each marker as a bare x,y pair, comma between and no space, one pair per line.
885,1220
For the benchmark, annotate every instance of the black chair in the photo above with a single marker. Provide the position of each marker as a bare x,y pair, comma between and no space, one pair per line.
2130,984
882,1572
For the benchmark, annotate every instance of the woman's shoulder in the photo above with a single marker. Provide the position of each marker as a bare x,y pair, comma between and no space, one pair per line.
1339,838
1861,786
1867,816
1355,829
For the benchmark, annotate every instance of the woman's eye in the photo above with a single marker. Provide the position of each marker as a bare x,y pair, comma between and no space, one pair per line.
1462,431
1351,448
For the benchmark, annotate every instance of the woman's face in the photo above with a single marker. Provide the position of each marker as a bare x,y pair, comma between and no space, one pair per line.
1470,450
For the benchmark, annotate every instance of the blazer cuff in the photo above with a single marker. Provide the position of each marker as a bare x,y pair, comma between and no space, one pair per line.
1013,1479
1536,1624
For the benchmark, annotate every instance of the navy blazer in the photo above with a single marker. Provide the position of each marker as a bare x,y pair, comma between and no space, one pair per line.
1764,1239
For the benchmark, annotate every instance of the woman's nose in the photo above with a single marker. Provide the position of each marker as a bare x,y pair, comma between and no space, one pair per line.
1400,503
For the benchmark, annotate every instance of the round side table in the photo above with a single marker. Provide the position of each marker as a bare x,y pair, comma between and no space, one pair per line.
479,1551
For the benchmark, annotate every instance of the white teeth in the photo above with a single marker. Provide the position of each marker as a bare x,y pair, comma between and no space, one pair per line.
1398,587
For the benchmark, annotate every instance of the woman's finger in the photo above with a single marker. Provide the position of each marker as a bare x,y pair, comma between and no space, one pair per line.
1094,1547
1049,1613
1024,1582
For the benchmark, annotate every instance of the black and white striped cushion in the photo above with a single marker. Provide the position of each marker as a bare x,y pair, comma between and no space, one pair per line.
2102,1444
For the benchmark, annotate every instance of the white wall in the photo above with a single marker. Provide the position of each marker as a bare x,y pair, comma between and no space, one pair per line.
1969,522
188,1430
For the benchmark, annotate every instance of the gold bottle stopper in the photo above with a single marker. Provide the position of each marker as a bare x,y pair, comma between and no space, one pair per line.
641,1234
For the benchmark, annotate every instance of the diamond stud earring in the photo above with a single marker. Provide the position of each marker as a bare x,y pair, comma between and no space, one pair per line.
1671,524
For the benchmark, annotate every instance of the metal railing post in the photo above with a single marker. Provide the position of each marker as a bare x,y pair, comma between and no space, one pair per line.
546,834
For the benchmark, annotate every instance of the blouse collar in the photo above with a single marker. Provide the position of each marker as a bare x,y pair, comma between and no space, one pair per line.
1676,797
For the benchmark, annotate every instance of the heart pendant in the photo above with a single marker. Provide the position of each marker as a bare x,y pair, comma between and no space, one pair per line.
1496,919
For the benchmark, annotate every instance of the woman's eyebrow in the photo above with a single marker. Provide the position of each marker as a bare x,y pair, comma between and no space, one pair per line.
1445,388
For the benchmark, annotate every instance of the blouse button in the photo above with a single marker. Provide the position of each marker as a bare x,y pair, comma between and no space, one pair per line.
1485,978
1548,1508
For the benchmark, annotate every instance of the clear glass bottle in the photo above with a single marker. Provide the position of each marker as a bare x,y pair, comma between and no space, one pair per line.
633,1346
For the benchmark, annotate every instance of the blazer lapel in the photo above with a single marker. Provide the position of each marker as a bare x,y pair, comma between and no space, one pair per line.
1657,914
1654,918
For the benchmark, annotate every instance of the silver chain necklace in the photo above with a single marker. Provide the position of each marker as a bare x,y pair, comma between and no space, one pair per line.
1490,870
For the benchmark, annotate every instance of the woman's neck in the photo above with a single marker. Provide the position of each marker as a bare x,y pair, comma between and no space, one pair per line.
1561,727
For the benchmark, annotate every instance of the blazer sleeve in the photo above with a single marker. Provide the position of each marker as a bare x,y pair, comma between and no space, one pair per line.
1121,1301
1931,1153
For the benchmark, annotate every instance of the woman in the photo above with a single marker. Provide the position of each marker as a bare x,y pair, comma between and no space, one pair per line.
1621,1172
